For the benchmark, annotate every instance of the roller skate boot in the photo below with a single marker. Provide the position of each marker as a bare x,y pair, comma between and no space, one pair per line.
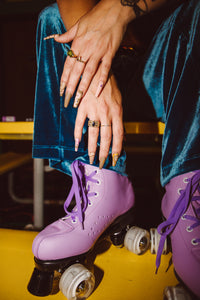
181,208
103,208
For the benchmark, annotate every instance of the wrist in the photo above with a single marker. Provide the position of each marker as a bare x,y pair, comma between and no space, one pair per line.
125,13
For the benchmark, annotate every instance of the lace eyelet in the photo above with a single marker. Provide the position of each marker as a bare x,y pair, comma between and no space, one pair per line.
185,180
98,182
89,203
96,194
179,191
194,242
74,221
183,217
189,229
96,171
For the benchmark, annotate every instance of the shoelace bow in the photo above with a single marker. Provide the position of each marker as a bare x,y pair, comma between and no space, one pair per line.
178,211
80,189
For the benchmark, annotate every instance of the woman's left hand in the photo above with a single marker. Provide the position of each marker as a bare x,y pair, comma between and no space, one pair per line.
107,110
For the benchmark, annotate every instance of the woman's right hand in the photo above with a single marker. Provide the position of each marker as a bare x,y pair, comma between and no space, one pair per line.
95,39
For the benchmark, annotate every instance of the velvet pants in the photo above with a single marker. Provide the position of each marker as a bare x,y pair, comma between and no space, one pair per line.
170,76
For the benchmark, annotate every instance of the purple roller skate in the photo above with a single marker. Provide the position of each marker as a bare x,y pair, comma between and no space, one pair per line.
181,208
104,208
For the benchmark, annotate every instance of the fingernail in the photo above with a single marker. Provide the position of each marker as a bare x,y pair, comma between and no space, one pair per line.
78,98
91,157
115,157
52,36
67,99
62,88
99,89
101,163
76,144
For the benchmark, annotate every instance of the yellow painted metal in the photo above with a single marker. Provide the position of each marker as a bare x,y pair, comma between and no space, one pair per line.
144,127
24,130
16,130
122,275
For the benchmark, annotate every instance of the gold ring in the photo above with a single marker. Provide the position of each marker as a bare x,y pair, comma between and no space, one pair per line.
106,125
93,123
70,53
79,58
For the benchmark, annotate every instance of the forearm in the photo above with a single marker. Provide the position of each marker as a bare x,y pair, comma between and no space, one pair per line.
141,7
71,11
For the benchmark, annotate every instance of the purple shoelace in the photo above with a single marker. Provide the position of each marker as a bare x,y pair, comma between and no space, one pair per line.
178,211
81,190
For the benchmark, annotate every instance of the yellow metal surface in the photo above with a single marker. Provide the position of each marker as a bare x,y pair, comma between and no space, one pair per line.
122,275
24,130
144,127
16,130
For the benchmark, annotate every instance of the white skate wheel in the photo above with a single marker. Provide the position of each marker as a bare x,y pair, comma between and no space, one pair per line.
155,239
175,293
77,282
137,240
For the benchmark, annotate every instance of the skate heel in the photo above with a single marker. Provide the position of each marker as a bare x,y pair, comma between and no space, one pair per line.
41,283
119,228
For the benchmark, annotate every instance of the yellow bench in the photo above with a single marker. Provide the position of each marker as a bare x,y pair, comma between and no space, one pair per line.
24,130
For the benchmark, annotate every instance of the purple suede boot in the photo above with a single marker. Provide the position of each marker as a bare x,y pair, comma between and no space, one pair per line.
181,208
103,208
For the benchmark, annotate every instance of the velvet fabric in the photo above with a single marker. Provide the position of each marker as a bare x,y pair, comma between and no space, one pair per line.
171,79
54,124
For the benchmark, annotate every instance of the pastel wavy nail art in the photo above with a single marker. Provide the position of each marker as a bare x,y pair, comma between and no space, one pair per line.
78,98
62,88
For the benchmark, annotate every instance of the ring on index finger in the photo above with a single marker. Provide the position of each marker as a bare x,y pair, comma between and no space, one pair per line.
70,53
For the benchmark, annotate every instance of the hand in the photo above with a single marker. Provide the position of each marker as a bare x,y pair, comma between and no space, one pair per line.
107,109
96,38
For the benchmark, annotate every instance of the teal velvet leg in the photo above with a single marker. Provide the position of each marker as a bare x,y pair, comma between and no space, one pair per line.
171,77
54,124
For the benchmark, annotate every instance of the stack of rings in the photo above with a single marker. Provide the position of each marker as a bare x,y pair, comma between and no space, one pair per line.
78,58
92,123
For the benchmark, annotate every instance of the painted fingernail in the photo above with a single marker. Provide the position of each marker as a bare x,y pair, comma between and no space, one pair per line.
62,88
99,89
115,157
78,98
67,99
52,36
76,144
91,157
102,162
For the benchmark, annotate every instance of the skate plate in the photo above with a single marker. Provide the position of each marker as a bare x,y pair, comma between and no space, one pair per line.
120,274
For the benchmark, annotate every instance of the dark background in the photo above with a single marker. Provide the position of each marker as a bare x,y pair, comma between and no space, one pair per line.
18,20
